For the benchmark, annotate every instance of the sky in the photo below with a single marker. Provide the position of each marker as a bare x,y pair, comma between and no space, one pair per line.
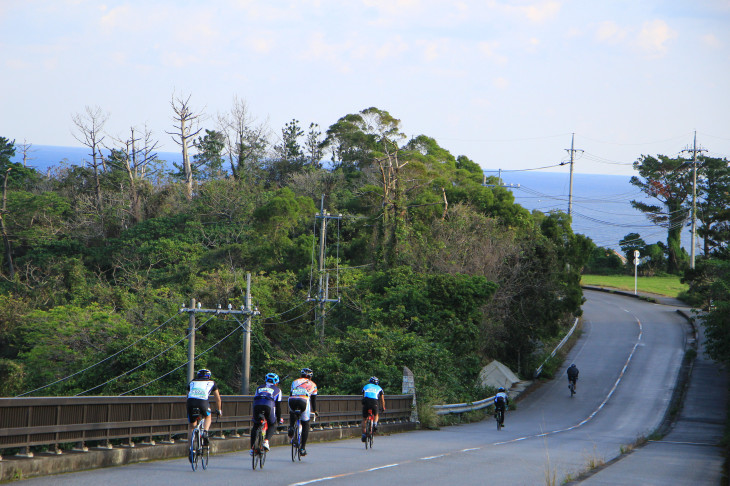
506,83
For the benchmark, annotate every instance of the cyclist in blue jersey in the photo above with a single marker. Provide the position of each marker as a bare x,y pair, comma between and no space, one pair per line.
267,401
198,392
373,399
501,401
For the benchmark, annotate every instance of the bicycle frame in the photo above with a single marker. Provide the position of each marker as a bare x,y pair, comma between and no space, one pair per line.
369,429
259,452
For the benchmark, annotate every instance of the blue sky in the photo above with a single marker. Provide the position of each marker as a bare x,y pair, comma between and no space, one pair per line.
505,83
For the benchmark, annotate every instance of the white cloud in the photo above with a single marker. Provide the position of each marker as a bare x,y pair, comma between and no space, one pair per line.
711,40
501,83
654,36
537,12
490,51
610,32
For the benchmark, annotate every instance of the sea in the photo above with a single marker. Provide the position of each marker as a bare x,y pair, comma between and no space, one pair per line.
601,204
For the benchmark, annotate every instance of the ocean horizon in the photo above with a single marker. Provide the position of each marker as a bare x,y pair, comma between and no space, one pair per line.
601,208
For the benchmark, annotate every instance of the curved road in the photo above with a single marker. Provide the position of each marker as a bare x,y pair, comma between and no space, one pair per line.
629,357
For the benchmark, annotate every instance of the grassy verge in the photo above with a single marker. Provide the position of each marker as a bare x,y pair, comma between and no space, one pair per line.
668,286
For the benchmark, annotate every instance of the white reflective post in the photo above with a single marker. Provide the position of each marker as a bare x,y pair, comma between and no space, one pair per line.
636,269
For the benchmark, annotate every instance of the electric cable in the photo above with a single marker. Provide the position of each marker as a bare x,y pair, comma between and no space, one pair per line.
102,361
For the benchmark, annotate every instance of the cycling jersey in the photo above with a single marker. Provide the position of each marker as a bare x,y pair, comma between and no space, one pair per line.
267,394
371,391
201,388
573,373
500,400
303,388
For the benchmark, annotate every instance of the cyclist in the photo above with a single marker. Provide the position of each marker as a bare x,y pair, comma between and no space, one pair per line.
373,399
303,398
198,392
501,401
266,401
573,376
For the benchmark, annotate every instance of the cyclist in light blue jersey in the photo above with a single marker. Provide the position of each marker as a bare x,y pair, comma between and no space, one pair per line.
373,399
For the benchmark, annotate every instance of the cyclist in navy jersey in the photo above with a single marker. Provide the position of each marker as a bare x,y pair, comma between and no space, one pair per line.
267,401
198,392
373,399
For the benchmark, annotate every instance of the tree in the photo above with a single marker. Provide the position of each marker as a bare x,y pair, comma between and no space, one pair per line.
670,182
246,141
135,156
208,162
350,144
89,132
713,205
185,132
313,145
289,156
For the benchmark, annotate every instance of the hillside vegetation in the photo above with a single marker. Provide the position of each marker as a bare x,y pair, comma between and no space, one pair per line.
433,270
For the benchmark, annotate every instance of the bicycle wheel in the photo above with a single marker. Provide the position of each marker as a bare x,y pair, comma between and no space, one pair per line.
262,456
257,447
295,443
572,389
499,419
369,433
204,456
194,448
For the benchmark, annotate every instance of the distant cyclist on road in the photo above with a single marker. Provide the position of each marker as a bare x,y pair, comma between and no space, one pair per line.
266,401
198,392
573,376
373,399
501,401
303,397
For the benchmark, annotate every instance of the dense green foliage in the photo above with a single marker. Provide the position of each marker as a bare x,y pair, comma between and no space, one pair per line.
434,271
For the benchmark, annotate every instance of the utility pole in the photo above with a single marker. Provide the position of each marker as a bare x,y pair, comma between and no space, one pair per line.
323,289
572,159
693,245
245,352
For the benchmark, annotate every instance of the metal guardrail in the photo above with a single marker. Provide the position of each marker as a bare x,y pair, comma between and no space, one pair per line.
560,345
97,421
464,407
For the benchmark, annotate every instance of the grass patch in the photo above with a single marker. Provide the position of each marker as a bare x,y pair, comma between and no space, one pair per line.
668,286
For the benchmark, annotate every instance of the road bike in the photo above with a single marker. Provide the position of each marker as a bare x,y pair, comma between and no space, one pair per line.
571,385
259,451
499,417
199,451
296,451
369,429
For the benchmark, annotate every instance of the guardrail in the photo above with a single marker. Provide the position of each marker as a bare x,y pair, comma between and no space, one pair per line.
560,345
80,422
464,407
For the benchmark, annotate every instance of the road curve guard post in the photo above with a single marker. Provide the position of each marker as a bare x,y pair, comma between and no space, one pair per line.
409,388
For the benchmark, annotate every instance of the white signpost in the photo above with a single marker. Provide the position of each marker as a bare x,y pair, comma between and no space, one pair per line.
636,268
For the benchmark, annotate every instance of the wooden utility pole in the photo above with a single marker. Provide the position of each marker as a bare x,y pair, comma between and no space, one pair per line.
245,352
323,289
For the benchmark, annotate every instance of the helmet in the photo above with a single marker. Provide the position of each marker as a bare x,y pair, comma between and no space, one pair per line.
374,380
501,389
204,373
306,373
272,378
572,365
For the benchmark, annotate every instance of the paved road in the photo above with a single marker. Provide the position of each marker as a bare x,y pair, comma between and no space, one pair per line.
629,355
689,454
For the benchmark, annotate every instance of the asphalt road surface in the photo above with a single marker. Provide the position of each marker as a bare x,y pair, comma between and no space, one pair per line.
629,356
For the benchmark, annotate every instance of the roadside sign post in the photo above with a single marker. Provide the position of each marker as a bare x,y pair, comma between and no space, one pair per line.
636,269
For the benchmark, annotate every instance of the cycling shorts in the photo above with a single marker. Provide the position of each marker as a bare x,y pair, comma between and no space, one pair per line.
369,404
300,404
268,412
202,405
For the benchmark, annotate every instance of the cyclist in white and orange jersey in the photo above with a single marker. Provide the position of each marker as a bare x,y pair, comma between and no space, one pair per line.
303,398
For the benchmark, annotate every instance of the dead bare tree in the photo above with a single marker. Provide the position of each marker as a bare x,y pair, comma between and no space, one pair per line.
184,135
246,141
134,155
25,150
89,132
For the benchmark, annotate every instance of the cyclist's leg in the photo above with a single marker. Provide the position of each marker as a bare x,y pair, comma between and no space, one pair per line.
257,410
271,420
